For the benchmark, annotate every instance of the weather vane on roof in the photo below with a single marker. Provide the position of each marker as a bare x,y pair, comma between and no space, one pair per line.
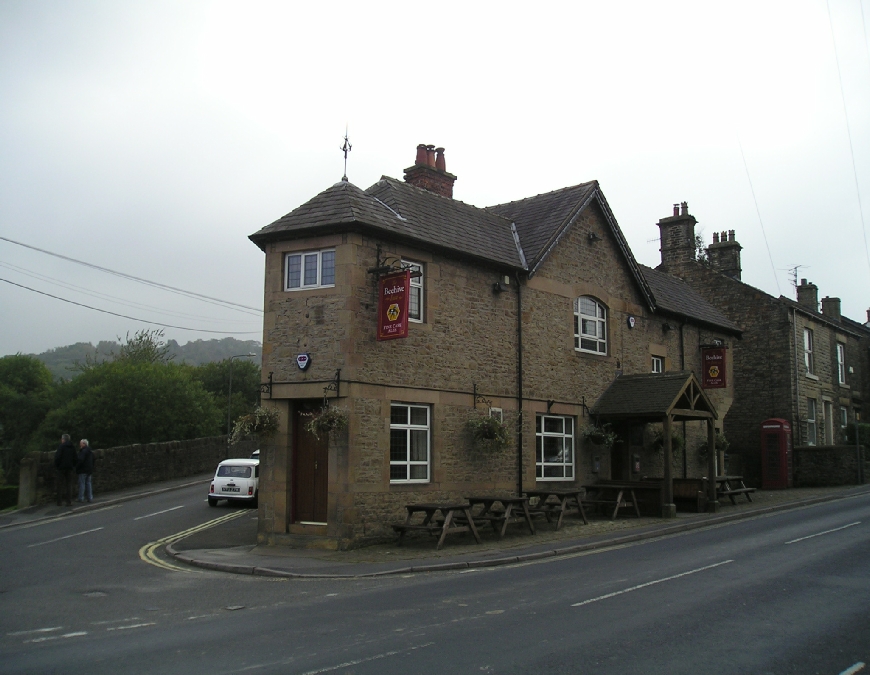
346,148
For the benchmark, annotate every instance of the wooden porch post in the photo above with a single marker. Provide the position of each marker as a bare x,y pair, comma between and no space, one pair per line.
669,509
712,502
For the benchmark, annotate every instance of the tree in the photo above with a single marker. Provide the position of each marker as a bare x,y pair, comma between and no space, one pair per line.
131,400
26,392
146,346
215,377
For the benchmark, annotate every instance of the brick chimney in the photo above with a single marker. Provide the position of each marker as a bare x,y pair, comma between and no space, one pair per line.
724,254
831,308
430,171
677,234
808,295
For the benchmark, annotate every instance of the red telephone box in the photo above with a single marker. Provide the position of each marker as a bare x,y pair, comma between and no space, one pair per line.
776,466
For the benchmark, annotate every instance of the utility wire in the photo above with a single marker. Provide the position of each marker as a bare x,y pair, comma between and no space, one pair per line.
111,298
758,211
849,132
132,318
156,284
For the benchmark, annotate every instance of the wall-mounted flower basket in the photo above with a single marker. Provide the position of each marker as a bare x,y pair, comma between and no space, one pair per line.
722,445
599,435
263,422
488,433
325,420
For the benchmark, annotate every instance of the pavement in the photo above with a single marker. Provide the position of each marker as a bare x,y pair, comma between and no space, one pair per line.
231,544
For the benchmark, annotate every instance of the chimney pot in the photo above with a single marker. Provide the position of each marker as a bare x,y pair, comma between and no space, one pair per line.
440,164
715,237
730,235
676,209
421,159
684,209
430,155
803,282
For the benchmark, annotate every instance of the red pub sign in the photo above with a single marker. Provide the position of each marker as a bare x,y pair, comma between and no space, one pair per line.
393,298
713,360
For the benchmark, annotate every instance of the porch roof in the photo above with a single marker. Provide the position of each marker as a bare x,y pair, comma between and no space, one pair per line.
653,396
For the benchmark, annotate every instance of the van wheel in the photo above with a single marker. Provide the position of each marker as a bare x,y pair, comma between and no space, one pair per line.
212,501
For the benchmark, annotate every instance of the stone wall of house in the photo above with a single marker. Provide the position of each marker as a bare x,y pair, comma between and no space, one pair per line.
132,465
822,466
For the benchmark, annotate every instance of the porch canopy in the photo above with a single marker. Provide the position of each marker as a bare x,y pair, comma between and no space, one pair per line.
666,398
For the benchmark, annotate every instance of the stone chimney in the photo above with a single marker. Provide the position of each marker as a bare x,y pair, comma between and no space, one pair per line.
677,235
808,295
724,254
430,171
831,308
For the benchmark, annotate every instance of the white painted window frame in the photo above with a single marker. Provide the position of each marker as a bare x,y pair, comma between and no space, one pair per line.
303,256
565,438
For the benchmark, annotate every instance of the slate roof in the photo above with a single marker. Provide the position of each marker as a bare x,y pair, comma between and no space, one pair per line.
400,210
651,395
675,296
542,220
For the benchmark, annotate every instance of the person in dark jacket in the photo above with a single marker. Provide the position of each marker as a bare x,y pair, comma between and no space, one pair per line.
65,459
84,469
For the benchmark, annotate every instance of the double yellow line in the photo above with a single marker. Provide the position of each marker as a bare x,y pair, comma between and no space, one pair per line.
147,552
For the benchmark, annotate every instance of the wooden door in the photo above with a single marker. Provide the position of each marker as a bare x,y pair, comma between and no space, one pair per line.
311,470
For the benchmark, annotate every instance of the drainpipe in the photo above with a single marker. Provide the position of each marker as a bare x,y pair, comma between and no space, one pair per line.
519,386
683,367
796,420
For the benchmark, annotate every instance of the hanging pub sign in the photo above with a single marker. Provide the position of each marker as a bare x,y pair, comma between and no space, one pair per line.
713,360
393,298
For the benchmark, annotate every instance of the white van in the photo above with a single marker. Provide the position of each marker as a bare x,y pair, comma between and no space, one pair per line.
235,480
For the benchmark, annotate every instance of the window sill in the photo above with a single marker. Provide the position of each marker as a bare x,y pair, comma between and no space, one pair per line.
810,376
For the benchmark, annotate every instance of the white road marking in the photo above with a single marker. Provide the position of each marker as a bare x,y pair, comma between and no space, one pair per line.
103,623
376,657
854,669
77,534
157,513
58,637
650,583
819,534
35,630
135,625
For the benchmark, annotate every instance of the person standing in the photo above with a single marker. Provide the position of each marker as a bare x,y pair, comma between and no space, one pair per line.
65,462
85,469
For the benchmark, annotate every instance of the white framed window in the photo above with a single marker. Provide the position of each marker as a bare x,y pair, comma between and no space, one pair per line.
415,301
812,428
311,269
841,362
658,364
844,417
590,326
409,443
828,408
555,447
808,352
497,413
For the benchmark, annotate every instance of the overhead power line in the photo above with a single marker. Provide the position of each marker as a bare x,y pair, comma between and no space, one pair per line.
140,280
132,318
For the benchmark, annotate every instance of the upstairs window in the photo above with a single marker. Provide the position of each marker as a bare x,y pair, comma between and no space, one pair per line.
314,269
590,326
658,364
808,352
415,302
841,362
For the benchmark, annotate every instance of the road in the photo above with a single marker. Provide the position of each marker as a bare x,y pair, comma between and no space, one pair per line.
785,593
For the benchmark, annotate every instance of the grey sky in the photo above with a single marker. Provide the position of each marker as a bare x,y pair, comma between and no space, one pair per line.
153,137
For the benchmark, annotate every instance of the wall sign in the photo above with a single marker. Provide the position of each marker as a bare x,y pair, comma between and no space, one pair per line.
631,322
713,362
393,298
303,361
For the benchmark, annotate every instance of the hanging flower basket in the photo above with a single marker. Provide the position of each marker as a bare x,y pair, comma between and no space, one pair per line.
722,445
263,422
488,433
325,420
599,435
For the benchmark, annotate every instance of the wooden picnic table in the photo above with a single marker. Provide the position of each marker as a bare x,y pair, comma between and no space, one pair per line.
724,488
557,500
618,494
514,510
456,518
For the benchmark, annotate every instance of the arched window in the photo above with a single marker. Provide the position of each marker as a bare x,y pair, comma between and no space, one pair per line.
590,325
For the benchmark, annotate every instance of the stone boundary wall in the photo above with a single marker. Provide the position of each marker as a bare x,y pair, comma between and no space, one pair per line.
131,465
823,466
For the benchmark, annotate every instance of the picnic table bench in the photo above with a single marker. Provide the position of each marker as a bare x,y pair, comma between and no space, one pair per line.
455,518
513,510
557,500
725,489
